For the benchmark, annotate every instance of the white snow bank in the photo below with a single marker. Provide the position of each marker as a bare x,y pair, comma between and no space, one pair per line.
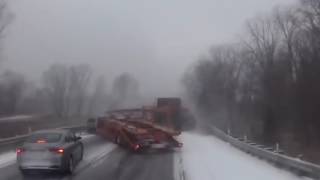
7,159
208,158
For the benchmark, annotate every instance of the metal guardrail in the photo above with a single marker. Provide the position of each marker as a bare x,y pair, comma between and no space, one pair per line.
12,140
21,138
295,165
75,128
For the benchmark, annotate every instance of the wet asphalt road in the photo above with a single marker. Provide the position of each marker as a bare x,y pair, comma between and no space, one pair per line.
116,164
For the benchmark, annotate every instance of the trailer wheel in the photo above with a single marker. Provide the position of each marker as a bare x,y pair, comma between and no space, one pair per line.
118,140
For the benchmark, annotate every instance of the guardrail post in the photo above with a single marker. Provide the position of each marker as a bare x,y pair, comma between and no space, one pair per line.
229,131
29,130
277,157
277,148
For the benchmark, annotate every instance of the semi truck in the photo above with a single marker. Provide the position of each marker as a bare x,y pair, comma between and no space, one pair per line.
147,127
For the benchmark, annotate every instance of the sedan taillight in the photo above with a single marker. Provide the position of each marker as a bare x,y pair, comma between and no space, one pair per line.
57,150
19,151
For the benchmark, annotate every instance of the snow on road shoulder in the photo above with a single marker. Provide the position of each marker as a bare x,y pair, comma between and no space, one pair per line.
178,170
95,154
208,158
98,152
7,158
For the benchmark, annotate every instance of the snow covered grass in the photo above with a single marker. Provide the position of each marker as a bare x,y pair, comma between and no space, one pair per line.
16,118
208,158
178,170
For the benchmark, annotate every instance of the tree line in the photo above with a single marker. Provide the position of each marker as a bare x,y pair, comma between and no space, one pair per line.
65,91
266,85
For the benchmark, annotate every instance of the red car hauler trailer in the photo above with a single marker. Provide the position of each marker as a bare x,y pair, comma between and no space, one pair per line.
144,128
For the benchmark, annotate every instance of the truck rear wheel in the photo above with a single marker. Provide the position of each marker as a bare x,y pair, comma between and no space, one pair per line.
24,171
118,140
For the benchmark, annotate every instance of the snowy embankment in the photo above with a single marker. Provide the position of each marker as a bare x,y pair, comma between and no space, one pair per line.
17,118
208,158
7,159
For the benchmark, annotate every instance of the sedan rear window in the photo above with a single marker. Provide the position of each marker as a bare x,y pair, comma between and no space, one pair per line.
44,138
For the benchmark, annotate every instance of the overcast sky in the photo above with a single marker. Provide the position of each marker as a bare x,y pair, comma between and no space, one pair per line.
154,40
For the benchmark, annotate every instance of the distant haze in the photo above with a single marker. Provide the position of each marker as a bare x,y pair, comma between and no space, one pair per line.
153,40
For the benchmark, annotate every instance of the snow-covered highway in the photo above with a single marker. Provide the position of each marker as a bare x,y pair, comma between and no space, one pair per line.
203,157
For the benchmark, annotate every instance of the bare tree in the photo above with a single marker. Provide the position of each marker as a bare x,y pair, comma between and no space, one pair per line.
80,76
5,16
34,100
67,87
98,101
215,84
277,87
125,91
288,22
311,12
263,38
12,87
264,42
57,85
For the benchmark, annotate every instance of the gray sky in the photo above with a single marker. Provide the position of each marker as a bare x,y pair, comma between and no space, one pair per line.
154,40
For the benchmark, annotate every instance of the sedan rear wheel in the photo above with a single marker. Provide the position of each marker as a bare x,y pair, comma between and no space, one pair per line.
70,167
81,155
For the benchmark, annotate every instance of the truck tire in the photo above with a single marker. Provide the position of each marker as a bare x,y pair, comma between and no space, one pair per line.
24,171
118,140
